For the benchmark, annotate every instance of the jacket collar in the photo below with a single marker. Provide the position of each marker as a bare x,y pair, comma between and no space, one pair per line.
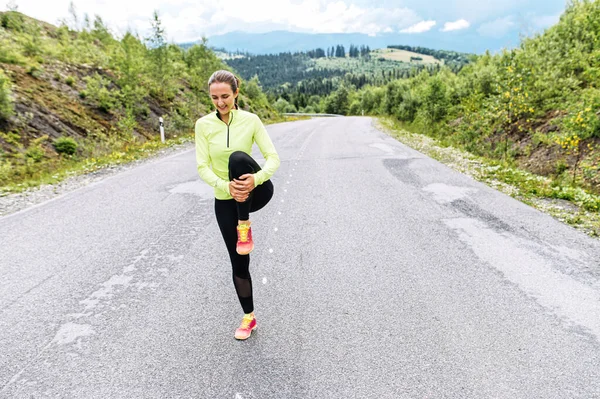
233,114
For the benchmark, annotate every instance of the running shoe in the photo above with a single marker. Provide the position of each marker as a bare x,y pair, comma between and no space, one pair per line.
245,329
245,245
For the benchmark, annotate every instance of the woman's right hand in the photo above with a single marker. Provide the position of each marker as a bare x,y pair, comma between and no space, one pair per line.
237,191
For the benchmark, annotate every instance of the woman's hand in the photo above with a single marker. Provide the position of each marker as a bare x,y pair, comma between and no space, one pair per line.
241,188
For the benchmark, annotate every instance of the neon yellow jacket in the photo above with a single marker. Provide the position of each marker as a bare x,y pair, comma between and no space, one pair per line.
215,141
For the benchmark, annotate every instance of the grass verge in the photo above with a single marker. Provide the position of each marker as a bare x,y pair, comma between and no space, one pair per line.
571,205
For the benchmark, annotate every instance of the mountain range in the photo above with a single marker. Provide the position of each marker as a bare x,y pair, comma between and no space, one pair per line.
467,41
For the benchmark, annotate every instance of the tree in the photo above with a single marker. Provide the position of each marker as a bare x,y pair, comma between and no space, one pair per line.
338,102
101,31
579,125
129,61
159,55
435,101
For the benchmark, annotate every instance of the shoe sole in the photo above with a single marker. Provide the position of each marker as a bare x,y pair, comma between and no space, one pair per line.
245,253
243,339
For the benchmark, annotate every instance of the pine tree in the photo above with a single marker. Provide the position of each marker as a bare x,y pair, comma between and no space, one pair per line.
159,54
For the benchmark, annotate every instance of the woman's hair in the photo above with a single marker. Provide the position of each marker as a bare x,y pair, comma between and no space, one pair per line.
224,76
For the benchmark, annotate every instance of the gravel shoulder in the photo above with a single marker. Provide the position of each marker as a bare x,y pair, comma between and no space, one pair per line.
12,203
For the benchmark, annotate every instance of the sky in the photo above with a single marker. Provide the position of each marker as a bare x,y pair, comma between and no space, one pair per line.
190,20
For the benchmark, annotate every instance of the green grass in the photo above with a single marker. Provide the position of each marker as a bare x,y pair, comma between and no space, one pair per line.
572,205
358,65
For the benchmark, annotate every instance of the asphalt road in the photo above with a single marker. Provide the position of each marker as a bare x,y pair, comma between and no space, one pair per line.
378,273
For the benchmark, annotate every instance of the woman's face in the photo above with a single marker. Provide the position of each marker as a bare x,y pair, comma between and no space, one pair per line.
222,97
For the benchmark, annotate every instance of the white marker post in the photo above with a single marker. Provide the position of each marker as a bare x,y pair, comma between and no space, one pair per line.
161,122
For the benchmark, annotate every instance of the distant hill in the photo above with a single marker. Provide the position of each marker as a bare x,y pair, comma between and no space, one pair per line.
282,41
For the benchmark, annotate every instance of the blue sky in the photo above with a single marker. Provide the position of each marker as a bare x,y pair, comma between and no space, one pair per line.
189,20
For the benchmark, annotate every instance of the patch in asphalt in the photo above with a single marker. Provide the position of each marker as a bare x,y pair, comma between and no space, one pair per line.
445,193
194,187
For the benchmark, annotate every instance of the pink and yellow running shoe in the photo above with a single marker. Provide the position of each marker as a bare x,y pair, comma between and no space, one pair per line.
245,329
244,245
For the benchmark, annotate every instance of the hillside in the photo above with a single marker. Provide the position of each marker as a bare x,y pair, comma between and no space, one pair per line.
67,96
323,70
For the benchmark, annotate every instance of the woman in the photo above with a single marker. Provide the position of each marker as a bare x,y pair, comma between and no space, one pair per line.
224,142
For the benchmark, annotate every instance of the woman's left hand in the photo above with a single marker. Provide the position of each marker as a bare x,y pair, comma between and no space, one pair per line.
245,183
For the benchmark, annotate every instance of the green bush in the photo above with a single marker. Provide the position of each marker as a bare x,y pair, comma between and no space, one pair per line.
9,53
6,104
70,81
35,71
97,91
12,20
65,145
281,105
6,170
32,45
35,153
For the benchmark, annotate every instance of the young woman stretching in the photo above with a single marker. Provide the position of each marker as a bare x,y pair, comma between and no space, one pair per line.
224,142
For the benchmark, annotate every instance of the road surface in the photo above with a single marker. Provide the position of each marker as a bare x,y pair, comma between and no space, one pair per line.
378,273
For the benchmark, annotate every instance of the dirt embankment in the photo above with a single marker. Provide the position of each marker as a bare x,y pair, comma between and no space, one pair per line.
49,102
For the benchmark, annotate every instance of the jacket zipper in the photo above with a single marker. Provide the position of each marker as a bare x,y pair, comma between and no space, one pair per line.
228,124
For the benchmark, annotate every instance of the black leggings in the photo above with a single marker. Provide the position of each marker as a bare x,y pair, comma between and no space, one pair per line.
228,213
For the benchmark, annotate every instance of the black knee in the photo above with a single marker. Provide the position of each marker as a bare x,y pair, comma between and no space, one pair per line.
237,157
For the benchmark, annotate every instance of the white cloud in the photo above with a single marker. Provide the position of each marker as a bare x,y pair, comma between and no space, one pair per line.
420,27
186,20
481,10
456,25
498,28
545,21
